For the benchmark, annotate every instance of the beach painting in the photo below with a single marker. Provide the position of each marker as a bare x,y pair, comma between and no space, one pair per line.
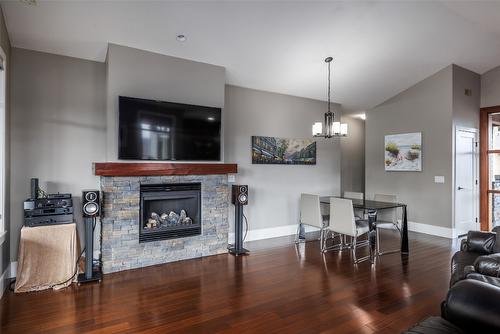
403,152
283,151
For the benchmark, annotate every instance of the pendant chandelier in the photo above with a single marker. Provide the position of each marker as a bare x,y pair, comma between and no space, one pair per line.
332,128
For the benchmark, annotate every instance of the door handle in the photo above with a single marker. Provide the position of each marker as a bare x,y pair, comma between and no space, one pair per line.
460,188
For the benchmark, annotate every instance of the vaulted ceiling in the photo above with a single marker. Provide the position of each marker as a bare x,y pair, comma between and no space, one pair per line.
379,48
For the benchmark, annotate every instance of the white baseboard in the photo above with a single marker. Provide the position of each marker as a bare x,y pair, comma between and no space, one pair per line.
3,281
286,230
271,232
12,269
445,232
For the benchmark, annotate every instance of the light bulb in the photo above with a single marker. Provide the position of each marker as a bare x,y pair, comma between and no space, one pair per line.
317,128
336,128
343,129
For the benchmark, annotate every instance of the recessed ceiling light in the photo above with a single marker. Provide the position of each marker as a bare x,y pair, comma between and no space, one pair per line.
181,38
211,119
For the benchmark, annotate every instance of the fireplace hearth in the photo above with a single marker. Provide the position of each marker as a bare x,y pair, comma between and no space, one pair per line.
169,211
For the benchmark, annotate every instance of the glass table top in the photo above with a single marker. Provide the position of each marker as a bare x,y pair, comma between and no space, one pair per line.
365,204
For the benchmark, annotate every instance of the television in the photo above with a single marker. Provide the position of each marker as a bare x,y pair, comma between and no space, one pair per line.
156,130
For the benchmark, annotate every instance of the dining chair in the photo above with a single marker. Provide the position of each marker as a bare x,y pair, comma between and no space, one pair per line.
359,214
386,220
312,213
353,195
342,221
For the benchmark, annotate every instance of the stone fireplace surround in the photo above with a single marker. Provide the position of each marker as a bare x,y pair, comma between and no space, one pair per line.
121,249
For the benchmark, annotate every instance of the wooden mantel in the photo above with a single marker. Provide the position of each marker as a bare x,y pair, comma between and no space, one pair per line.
158,168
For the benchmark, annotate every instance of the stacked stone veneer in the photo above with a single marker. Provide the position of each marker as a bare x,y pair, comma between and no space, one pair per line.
121,249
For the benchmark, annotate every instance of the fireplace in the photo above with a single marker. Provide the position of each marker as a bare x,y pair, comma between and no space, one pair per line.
169,211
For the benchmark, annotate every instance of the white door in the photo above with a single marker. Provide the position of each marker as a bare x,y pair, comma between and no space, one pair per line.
466,181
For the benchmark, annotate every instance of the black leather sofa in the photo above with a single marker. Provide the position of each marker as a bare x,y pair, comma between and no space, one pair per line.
473,301
478,258
471,306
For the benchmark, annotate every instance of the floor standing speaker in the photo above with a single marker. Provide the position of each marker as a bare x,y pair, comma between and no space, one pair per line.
91,208
239,199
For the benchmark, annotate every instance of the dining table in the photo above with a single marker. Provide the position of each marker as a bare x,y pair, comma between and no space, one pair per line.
371,207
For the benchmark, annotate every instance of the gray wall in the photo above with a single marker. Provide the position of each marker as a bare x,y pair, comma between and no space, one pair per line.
57,127
4,248
466,108
490,88
435,107
61,100
353,155
275,189
465,111
143,74
426,107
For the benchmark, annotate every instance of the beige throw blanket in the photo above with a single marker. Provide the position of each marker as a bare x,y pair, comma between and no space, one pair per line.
47,257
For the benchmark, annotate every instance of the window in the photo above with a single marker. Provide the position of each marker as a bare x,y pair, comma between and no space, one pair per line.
490,168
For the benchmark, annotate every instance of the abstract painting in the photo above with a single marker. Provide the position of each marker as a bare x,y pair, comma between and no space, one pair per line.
403,152
272,150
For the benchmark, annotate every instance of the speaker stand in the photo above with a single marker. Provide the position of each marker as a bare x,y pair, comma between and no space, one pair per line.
90,275
95,277
238,249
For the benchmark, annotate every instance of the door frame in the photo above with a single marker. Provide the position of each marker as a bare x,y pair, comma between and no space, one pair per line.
475,132
484,215
3,150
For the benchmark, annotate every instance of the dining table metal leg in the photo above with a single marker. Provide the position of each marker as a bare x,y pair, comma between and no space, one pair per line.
404,232
372,236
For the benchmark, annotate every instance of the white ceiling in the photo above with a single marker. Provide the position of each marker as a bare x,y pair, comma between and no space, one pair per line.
379,48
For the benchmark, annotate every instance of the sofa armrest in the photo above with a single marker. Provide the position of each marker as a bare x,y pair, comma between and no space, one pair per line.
480,242
488,265
473,306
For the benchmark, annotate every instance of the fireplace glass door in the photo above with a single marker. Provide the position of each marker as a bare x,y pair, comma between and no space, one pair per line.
170,211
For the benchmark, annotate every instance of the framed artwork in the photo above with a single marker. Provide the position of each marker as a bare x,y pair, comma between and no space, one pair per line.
403,152
282,151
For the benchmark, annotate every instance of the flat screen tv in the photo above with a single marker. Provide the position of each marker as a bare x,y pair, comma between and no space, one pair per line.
156,130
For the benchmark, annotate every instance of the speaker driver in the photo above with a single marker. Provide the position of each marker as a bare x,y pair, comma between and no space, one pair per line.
91,196
242,198
90,208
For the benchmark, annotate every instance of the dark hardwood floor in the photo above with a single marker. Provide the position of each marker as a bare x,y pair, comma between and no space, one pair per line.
281,289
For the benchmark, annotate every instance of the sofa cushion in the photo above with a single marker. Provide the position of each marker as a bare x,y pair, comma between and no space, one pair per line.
483,278
434,325
488,265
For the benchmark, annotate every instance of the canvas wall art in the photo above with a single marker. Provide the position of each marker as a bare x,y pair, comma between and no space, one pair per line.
403,152
272,150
